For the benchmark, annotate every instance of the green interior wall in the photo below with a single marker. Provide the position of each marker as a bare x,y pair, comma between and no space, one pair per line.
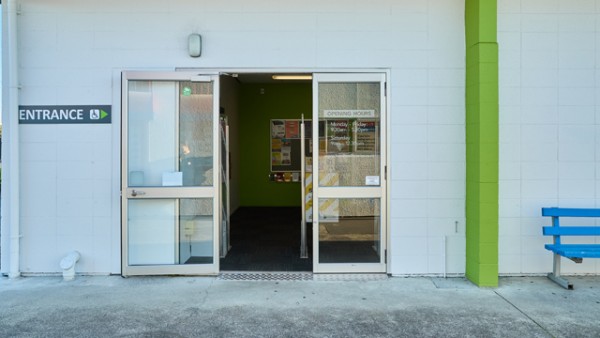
278,101
482,141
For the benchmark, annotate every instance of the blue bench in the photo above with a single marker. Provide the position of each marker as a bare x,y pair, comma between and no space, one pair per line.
574,252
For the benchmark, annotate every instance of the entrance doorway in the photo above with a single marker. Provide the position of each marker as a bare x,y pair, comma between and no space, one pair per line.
265,223
232,204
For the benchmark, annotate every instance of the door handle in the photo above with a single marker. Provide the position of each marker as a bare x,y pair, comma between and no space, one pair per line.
134,193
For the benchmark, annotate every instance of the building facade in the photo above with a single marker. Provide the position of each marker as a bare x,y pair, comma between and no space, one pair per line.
486,112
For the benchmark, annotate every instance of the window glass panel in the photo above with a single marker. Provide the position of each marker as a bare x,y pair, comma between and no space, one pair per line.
169,135
349,230
195,133
349,134
170,231
151,132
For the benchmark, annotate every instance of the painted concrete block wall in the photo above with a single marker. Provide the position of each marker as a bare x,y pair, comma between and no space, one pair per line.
549,124
66,196
427,139
72,52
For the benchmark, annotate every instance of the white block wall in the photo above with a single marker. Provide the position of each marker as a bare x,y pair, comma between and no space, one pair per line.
549,124
72,52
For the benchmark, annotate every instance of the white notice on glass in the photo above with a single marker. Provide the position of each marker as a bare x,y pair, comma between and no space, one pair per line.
372,180
172,179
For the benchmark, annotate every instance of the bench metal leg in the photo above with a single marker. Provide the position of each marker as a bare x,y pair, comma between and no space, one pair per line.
555,275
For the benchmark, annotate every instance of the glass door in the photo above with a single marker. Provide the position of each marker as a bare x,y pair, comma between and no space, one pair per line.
170,187
349,173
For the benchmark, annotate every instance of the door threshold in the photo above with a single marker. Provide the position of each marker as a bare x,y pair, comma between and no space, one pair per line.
299,276
266,275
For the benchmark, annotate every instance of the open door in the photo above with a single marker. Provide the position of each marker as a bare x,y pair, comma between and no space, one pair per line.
349,173
170,173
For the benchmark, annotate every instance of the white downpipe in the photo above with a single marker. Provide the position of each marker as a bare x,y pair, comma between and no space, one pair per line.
10,144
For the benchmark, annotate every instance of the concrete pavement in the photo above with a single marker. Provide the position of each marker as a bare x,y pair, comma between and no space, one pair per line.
111,306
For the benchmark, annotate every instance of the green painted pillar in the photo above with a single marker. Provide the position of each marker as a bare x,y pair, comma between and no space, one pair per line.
482,141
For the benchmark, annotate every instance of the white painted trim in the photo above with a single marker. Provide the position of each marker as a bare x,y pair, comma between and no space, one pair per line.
388,170
217,220
115,228
332,71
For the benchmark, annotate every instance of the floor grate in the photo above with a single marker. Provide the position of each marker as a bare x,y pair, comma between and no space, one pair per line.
266,276
300,276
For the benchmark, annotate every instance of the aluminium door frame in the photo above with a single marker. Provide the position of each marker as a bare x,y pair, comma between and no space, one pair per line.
212,193
240,70
381,191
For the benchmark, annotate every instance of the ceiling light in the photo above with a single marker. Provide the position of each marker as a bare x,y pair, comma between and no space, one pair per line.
293,77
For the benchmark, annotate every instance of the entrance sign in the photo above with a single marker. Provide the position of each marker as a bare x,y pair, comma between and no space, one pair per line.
348,113
88,114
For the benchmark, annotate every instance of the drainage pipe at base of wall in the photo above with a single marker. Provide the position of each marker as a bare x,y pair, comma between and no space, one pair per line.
10,144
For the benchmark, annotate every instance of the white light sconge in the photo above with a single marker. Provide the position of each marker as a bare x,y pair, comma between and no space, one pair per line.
195,45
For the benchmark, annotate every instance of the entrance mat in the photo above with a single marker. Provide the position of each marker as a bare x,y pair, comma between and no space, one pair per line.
266,276
266,239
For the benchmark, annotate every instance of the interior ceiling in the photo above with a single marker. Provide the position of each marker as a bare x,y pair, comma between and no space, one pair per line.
262,78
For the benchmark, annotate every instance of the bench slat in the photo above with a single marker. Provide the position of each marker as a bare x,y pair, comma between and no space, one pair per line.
571,231
575,250
570,212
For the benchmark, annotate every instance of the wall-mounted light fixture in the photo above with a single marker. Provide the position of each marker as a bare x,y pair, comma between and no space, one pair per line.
292,77
195,45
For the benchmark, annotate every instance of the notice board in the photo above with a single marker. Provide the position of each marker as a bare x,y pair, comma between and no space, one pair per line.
286,144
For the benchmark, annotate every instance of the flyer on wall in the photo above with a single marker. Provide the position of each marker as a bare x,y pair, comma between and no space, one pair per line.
292,129
277,129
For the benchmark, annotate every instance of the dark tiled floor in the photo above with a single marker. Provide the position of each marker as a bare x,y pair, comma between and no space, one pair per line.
266,239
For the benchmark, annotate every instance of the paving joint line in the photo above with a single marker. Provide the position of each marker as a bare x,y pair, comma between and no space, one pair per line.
206,292
526,315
